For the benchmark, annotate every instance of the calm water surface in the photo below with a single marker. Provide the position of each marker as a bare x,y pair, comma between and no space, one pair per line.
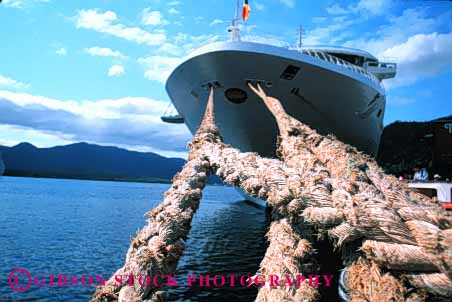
53,226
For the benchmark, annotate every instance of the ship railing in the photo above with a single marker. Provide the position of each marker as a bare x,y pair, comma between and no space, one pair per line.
340,62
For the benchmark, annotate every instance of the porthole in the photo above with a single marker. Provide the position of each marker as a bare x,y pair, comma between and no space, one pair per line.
236,95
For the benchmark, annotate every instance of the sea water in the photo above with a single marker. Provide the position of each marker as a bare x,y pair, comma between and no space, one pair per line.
83,228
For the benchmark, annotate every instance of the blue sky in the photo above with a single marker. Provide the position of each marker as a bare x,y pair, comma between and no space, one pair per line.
94,70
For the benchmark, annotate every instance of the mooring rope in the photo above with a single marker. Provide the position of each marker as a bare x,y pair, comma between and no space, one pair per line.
397,231
396,245
158,246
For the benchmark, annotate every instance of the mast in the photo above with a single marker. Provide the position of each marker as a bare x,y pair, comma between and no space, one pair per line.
234,30
300,36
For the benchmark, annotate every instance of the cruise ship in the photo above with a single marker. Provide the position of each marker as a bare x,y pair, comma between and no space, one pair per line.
335,90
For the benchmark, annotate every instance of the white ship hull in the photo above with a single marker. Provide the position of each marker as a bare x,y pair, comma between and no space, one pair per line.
331,98
328,97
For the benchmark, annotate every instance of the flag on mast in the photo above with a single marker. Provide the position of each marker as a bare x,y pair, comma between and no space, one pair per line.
246,11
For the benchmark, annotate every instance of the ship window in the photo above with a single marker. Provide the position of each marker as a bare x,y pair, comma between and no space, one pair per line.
194,94
236,95
290,72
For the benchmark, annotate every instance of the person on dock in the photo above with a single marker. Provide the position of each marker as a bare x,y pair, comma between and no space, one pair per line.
420,174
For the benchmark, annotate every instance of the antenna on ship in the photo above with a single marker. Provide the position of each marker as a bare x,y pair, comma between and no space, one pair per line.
234,30
300,36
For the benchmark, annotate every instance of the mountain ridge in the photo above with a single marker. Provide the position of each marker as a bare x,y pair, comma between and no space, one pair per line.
88,161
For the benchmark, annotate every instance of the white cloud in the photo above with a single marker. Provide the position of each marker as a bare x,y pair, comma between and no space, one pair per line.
14,3
13,135
153,18
336,9
199,19
216,21
11,83
61,51
173,11
189,43
22,3
258,6
104,52
420,56
329,34
107,23
398,29
128,121
414,38
342,26
116,71
411,39
171,49
266,39
363,7
318,20
159,67
174,3
288,3
374,7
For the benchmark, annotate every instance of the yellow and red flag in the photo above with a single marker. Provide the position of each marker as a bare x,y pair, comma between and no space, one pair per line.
246,10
